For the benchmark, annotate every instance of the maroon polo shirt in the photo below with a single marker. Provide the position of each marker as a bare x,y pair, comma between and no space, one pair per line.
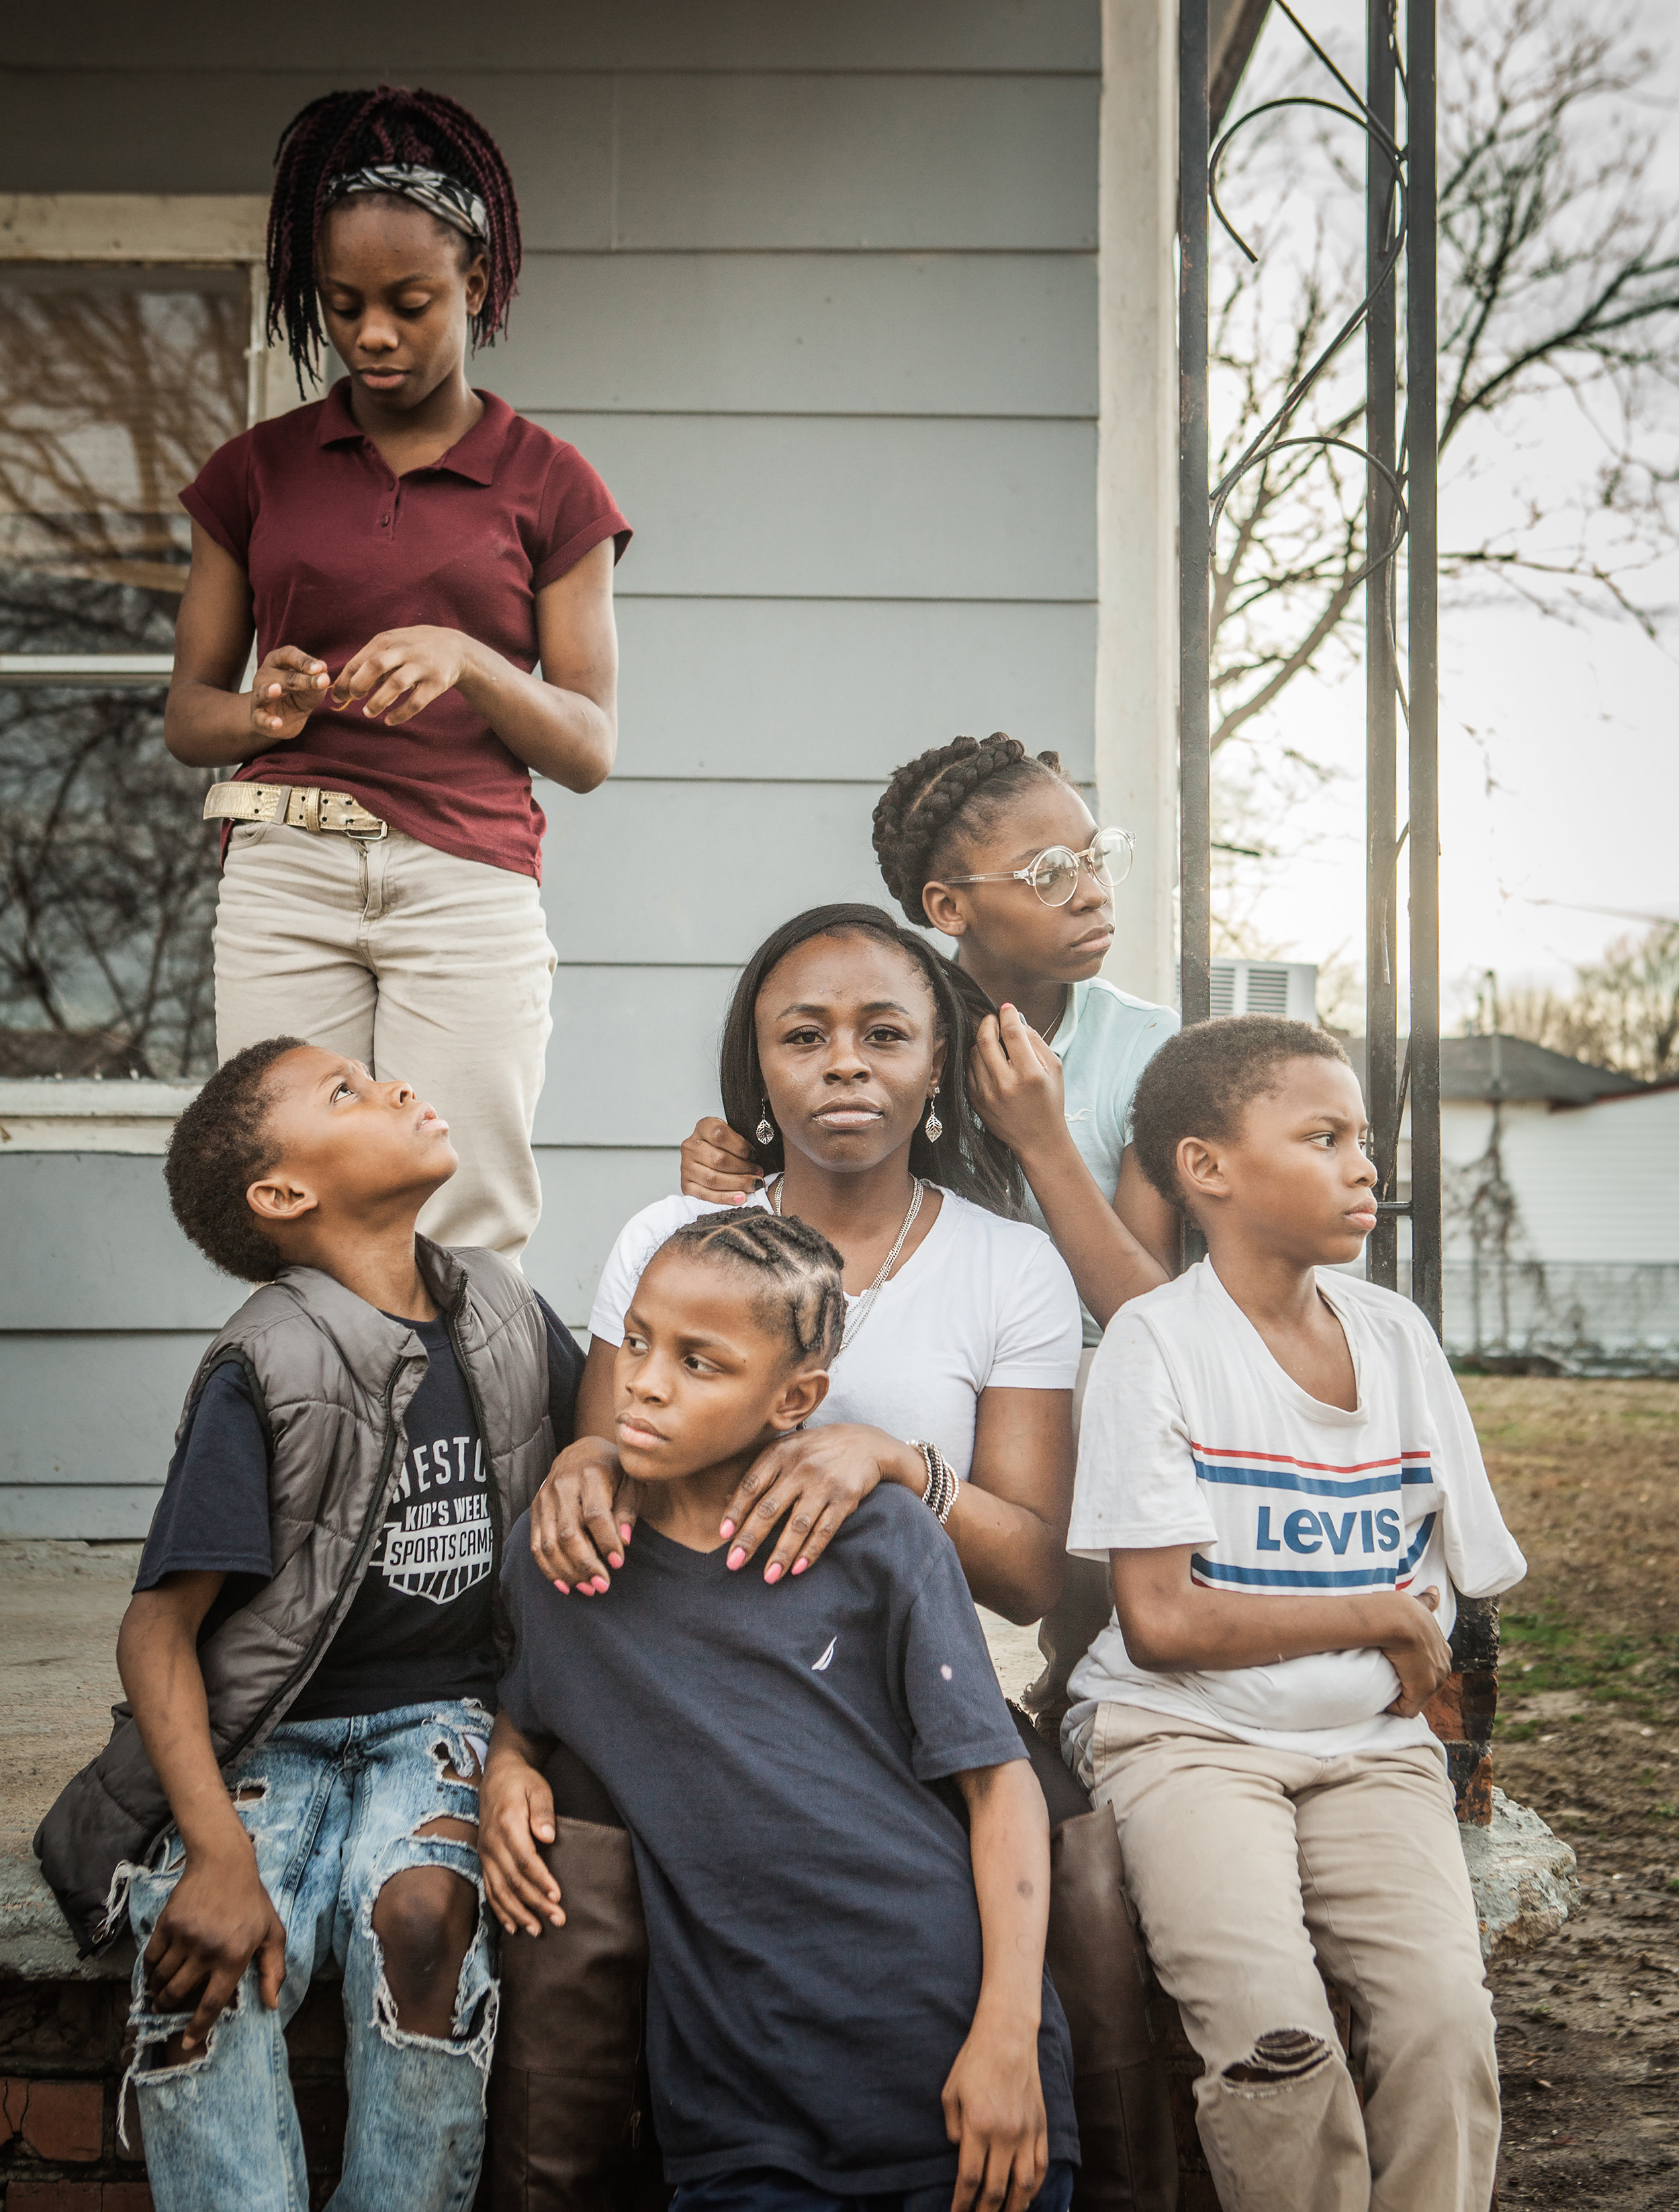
338,549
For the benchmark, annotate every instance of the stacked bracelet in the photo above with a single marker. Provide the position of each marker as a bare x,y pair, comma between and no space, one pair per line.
942,1483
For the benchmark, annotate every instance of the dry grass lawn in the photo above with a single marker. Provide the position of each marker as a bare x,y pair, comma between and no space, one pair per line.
1587,1473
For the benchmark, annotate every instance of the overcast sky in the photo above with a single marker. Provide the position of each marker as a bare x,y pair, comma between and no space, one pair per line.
1559,741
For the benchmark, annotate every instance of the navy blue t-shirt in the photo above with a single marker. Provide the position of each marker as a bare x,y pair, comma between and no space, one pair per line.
814,1932
418,1629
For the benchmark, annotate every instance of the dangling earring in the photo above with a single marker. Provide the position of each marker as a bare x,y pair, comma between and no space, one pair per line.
935,1126
764,1131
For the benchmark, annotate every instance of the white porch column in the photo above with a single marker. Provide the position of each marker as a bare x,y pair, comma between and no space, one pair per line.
1136,482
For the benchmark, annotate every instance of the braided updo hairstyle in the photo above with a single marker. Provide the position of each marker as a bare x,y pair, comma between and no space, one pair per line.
344,131
796,1273
943,798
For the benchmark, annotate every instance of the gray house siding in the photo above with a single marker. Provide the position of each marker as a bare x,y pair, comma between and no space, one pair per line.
816,290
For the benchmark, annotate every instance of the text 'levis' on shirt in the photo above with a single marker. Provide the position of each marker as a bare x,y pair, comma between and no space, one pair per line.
1193,1434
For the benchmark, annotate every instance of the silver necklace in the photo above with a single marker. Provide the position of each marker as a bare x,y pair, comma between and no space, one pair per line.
1054,1029
855,1320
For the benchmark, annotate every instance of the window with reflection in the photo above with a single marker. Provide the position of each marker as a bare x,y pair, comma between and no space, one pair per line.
116,384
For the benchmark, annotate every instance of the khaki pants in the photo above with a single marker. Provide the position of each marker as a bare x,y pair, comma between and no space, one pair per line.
1249,1869
422,966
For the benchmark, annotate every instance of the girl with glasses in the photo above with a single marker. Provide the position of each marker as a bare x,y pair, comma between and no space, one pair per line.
996,851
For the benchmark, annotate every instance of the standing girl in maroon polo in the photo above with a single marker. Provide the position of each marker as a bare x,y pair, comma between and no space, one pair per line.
406,552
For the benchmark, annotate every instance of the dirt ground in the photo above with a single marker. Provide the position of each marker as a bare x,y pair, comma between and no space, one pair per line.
60,1604
1587,1473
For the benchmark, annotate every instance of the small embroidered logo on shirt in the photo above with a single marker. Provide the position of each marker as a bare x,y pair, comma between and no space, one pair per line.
1082,1114
821,1666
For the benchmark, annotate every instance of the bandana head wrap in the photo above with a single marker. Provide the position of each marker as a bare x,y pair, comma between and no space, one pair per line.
446,197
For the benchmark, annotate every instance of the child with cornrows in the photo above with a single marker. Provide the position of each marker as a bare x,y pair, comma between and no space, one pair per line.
406,552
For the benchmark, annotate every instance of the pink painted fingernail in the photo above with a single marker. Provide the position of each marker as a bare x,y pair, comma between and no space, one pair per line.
601,1583
564,1589
737,1557
772,1572
799,1565
737,1198
615,1558
626,1526
726,1531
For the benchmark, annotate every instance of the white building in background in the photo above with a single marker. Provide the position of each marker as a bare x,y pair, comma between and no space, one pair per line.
1562,1208
1561,1212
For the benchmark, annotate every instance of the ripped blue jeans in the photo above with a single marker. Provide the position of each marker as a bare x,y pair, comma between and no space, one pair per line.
334,1809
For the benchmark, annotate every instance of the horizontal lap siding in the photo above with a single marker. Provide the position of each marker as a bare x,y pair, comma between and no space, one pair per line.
631,35
803,334
705,163
816,291
843,690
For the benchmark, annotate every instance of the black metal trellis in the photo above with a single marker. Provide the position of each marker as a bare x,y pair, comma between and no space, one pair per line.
1400,510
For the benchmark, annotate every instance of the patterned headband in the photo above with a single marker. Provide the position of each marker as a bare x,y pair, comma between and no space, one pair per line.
446,197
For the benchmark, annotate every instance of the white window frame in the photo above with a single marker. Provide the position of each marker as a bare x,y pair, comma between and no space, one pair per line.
140,230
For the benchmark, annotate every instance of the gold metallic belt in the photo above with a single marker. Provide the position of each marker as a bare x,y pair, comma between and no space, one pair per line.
298,806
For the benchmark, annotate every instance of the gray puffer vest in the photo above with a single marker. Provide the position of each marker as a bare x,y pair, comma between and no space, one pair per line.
332,1377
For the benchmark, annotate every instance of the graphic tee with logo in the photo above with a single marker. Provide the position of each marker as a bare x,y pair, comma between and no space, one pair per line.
1193,1435
423,1610
418,1629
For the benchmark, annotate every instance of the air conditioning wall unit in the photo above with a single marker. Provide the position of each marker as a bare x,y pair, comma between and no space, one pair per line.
1265,987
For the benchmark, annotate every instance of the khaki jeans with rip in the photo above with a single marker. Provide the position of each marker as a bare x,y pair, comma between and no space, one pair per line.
423,967
1251,1867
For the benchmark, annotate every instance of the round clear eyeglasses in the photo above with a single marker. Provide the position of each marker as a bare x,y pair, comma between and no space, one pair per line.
1054,874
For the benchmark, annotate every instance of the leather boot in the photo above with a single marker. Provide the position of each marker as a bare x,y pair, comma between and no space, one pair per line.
1127,2148
563,2098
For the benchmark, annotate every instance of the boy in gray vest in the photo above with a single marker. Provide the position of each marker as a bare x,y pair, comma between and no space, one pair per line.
312,1651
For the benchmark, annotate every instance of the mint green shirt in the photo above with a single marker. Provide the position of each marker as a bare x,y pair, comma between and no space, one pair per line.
1105,1040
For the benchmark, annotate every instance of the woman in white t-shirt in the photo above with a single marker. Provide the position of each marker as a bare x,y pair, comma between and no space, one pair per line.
845,1069
844,1054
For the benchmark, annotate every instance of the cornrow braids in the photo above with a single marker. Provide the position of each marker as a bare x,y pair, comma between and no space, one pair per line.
948,793
798,1271
346,131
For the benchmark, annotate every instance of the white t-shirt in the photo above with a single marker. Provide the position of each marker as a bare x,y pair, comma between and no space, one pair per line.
1193,1434
982,1304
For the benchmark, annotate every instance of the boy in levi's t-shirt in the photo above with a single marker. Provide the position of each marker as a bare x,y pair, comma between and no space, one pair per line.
1280,1469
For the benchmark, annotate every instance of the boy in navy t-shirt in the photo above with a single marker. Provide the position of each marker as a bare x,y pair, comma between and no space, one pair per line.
848,1997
